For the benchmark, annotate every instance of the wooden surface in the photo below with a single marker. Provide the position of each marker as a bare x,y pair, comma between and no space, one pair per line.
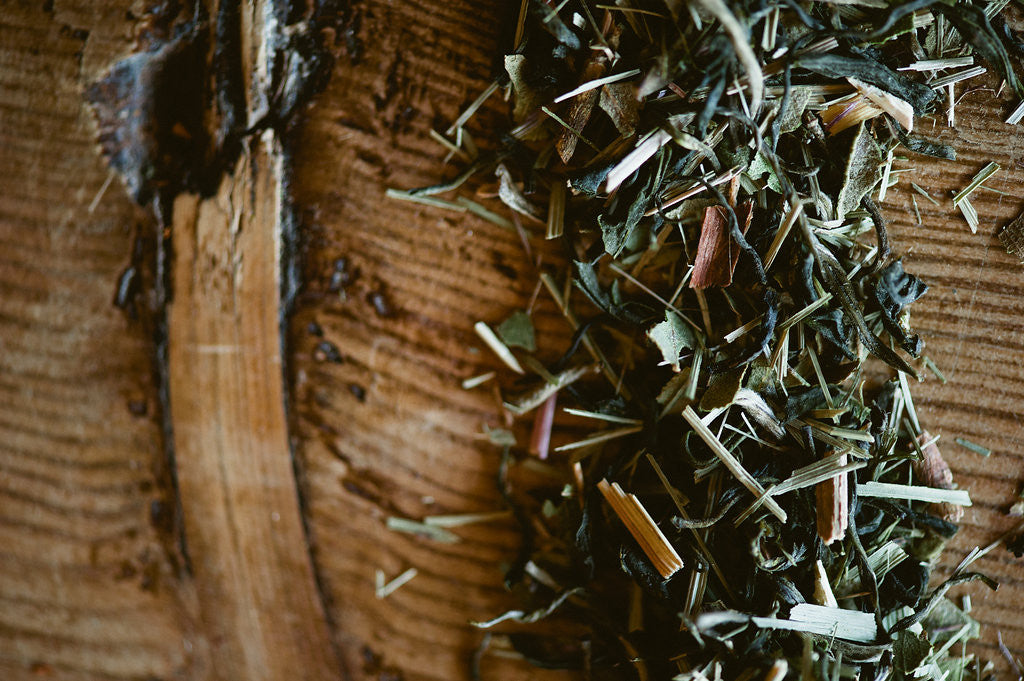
387,431
90,588
86,589
258,603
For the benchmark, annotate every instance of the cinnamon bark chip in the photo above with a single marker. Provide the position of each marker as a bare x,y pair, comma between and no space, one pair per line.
718,253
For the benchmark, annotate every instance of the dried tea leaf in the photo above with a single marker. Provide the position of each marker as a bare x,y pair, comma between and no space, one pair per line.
834,278
861,171
672,336
791,116
911,649
512,197
527,99
616,233
894,290
927,147
517,331
549,20
759,167
586,280
723,389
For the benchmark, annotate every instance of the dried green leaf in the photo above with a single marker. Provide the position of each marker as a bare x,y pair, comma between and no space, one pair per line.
759,167
791,117
672,336
517,331
723,389
861,173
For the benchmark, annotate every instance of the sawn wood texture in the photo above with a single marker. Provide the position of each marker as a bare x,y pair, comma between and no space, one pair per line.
91,589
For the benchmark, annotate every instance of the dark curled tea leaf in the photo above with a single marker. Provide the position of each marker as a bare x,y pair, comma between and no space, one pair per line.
863,68
894,290
616,234
911,650
700,523
881,232
927,147
553,23
937,595
835,282
587,280
589,181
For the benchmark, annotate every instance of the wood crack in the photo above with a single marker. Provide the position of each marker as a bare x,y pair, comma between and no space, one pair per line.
194,123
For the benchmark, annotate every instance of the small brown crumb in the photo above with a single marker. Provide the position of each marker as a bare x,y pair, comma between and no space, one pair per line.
933,471
326,351
380,303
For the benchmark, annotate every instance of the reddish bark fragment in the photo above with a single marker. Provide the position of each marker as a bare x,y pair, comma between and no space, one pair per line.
540,439
933,471
833,506
717,251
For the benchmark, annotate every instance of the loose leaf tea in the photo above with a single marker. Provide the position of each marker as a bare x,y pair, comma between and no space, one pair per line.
748,504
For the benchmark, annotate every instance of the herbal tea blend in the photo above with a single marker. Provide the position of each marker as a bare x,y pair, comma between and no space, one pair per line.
748,504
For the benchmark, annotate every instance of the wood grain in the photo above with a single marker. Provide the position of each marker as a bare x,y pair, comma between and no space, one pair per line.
91,590
971,321
88,586
257,597
387,431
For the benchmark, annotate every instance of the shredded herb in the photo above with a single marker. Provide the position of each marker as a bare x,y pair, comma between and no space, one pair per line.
748,504
976,448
